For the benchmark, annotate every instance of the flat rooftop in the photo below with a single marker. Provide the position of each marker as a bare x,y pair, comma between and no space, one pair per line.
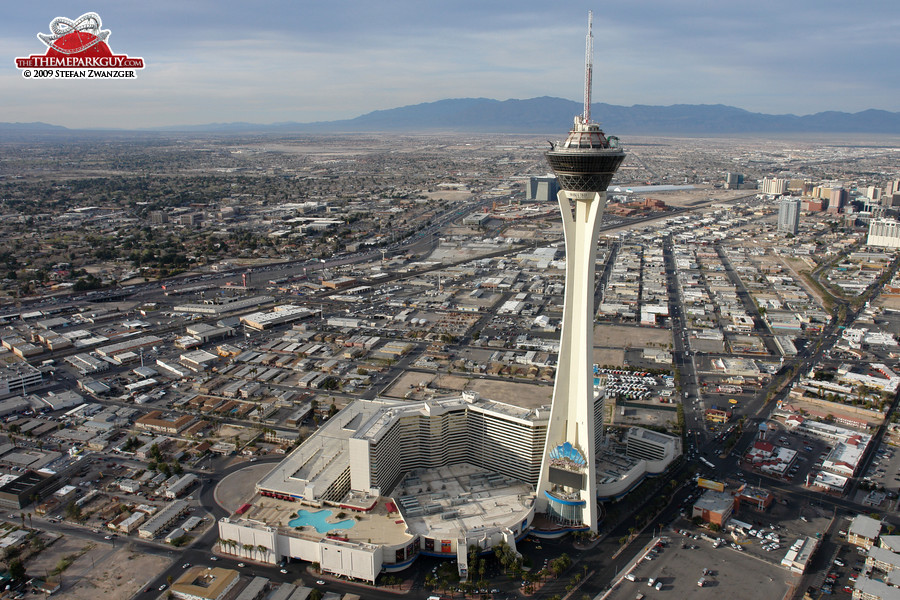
449,501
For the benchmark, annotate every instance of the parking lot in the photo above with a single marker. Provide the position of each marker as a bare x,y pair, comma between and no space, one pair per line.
678,567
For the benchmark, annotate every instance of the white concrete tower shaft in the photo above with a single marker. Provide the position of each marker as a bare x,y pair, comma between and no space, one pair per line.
572,413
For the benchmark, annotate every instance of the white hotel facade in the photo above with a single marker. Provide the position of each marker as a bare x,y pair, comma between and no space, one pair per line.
411,478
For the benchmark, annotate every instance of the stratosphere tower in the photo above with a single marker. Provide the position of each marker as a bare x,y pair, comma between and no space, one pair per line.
584,165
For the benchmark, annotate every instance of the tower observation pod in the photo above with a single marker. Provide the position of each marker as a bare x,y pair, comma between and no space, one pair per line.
584,165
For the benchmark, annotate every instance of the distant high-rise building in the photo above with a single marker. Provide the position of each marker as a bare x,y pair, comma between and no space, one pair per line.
774,186
892,187
789,215
542,189
584,165
822,191
158,217
797,186
838,200
884,233
893,200
733,181
873,193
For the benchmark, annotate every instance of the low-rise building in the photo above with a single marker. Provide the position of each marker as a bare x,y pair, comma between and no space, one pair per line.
154,421
205,583
864,531
163,519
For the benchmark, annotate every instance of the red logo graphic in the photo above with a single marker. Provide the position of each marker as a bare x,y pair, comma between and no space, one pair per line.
79,47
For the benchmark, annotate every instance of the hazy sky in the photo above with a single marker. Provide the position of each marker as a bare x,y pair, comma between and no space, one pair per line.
299,60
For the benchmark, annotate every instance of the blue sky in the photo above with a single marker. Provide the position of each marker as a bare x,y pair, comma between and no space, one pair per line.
273,61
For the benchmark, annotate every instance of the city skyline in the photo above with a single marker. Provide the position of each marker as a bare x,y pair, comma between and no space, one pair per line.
306,64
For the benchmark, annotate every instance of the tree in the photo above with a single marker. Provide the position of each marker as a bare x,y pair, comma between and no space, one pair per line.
17,569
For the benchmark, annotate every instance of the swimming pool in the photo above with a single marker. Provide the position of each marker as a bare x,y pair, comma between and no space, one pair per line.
317,520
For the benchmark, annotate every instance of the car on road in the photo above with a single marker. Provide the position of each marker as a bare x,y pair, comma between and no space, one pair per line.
163,587
320,582
213,558
185,565
241,565
283,571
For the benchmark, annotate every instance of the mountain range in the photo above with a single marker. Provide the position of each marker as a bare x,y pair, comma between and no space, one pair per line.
544,115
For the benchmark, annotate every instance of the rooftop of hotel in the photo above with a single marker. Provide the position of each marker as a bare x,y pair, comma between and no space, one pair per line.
324,456
613,465
383,524
313,466
449,501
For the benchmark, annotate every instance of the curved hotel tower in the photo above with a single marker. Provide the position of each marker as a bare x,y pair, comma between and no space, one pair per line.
584,166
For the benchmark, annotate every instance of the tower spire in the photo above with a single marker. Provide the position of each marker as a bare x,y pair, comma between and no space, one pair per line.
588,68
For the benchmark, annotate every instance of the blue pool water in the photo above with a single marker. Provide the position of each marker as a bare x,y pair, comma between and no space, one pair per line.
317,520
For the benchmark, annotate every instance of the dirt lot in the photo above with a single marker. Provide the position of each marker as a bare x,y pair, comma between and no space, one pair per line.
100,571
624,336
794,266
609,356
407,382
526,395
891,302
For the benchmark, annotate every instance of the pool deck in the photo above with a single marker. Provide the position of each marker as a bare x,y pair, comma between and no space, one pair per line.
377,524
323,523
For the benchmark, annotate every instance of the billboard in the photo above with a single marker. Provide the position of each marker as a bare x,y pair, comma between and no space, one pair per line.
710,484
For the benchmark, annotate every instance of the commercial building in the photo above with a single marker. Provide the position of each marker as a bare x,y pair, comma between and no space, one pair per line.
838,200
797,558
17,377
884,233
542,189
205,583
774,186
733,181
279,315
179,487
789,215
651,446
163,519
431,477
154,421
714,507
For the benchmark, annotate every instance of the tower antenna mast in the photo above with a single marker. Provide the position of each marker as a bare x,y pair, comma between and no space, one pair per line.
588,68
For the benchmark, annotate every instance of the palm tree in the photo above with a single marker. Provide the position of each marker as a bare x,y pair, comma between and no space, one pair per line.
263,550
248,548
